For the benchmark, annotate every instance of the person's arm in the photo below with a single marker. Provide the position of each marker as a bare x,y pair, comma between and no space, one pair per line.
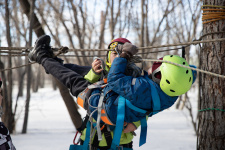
95,72
92,77
127,86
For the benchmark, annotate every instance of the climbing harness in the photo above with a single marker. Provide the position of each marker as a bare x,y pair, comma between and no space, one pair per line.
122,102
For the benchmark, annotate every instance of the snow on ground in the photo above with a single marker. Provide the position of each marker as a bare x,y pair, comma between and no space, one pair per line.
50,127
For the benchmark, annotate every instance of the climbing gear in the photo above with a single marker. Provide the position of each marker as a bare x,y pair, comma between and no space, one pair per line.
84,96
75,138
155,110
85,145
104,116
175,80
120,115
108,137
122,102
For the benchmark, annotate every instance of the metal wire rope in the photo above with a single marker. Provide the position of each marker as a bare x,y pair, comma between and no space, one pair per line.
139,48
65,49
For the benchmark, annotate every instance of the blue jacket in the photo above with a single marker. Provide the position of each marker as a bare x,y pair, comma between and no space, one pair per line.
138,94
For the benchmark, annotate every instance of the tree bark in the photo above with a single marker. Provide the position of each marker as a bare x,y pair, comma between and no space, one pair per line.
25,122
102,27
70,104
37,26
211,129
8,118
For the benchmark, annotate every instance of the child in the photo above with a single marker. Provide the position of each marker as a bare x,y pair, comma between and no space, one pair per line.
137,90
75,78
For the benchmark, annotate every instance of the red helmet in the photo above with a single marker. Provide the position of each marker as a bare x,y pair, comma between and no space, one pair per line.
120,41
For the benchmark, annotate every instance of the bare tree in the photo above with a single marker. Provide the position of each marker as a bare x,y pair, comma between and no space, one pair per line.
8,118
24,130
66,96
102,30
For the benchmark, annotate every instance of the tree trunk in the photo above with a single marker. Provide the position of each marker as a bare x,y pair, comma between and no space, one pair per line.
24,130
64,91
36,26
211,128
70,104
102,27
9,117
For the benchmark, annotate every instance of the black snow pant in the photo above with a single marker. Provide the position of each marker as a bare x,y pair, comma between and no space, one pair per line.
72,76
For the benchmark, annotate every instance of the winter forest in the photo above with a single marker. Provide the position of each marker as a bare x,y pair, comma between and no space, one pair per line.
194,29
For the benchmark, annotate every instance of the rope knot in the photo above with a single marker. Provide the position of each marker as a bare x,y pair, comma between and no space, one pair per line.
27,50
62,50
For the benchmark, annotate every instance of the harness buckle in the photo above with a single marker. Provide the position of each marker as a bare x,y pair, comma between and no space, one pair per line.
76,142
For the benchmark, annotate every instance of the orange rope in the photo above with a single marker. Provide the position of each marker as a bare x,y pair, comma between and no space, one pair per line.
216,14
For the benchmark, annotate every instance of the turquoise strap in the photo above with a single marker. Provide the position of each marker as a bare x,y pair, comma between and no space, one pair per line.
77,147
131,106
87,137
155,96
119,123
143,134
144,130
85,146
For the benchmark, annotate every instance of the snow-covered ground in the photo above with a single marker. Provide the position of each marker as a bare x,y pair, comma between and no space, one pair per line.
50,127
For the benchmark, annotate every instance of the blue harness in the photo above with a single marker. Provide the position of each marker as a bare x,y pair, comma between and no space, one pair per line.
122,102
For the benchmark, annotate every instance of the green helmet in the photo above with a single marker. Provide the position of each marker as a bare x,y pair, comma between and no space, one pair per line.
175,80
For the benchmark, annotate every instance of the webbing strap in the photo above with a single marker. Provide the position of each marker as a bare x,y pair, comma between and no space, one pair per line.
131,106
99,116
155,96
119,123
144,130
156,108
100,85
87,137
143,134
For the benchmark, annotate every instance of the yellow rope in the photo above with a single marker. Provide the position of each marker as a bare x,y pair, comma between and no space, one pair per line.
215,14
213,6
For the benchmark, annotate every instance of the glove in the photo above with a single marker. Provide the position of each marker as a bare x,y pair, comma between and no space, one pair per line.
128,50
41,50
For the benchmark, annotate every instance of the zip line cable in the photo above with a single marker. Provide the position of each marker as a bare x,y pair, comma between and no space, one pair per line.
25,49
65,50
